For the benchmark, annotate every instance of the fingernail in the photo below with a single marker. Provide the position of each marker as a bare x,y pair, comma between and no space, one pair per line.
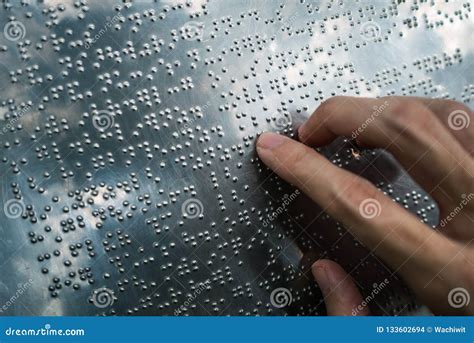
270,140
321,275
302,131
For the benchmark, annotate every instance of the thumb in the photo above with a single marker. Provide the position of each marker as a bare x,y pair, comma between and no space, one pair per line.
341,295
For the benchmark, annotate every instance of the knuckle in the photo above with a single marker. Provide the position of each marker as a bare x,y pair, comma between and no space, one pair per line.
330,105
459,115
360,189
298,161
353,193
452,106
411,114
298,158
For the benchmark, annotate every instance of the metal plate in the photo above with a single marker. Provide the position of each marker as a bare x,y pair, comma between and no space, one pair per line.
130,184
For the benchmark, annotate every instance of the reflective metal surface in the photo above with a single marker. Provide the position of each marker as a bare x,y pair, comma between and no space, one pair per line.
130,184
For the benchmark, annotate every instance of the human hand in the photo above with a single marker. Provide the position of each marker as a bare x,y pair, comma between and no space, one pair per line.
434,141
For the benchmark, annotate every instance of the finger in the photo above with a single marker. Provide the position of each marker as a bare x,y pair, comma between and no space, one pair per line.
414,251
409,130
374,219
340,293
456,117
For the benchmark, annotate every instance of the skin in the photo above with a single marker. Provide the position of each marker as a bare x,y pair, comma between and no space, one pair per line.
438,155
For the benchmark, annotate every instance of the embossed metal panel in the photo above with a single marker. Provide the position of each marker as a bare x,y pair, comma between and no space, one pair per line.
130,184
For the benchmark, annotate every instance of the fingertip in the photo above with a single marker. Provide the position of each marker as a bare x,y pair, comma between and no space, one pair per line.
340,293
269,140
302,132
318,267
328,274
319,274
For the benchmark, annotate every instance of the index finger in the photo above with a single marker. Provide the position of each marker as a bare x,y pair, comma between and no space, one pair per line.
380,224
408,129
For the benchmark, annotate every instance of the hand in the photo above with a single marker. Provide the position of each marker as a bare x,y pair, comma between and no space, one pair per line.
434,141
